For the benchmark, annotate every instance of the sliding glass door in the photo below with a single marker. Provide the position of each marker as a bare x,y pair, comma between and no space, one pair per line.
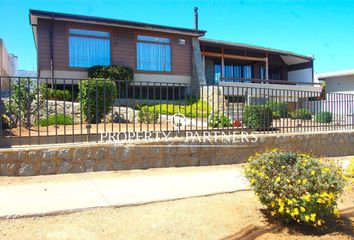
235,73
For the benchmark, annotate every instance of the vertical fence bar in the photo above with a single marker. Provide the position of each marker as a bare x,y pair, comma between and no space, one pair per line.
96,107
20,110
120,104
134,106
64,88
148,104
28,109
88,125
10,106
167,125
81,109
54,80
72,111
38,112
47,109
126,105
154,101
140,100
111,101
208,107
160,109
114,83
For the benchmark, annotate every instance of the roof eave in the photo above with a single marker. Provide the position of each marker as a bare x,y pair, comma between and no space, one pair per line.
117,23
335,74
258,48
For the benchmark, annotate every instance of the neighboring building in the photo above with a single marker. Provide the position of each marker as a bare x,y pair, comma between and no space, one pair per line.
338,82
68,44
8,61
27,73
8,66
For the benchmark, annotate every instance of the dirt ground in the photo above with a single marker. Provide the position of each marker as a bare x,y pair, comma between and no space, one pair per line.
212,217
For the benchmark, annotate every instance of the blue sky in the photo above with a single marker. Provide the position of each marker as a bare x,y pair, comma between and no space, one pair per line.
310,27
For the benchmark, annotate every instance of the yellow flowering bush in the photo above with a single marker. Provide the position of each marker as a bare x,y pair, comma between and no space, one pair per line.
350,169
296,187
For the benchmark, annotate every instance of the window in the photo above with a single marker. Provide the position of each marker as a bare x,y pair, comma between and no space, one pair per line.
262,72
237,72
88,48
153,54
275,74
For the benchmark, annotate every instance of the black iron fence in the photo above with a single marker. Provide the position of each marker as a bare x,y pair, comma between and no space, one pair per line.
46,110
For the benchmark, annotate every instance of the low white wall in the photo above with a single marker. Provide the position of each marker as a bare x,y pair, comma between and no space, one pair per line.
302,75
138,77
162,78
344,84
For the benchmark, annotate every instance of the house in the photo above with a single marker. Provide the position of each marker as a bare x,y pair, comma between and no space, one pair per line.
338,82
8,66
27,73
68,44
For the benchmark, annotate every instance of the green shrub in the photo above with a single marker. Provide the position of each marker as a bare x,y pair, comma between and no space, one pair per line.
113,72
219,120
296,187
96,97
58,94
257,117
59,119
301,113
147,116
276,115
192,108
324,117
279,109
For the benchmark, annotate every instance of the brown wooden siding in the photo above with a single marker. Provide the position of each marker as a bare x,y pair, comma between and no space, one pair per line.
123,47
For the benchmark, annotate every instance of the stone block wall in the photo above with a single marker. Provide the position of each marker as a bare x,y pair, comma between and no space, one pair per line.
87,157
214,96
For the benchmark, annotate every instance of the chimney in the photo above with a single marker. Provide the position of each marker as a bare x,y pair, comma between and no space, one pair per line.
195,18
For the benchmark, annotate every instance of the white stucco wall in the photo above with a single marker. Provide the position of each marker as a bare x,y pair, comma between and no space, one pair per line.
302,75
137,77
343,84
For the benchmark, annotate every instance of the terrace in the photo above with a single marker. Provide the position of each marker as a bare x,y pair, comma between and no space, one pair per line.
243,65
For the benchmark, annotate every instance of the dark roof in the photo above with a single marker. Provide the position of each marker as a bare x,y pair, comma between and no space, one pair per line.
109,21
244,45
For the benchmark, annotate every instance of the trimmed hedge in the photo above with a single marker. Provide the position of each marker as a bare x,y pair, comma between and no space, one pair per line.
192,108
257,117
219,120
59,119
96,98
113,72
324,117
301,113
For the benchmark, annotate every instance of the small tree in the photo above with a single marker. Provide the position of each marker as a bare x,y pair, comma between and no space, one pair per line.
24,102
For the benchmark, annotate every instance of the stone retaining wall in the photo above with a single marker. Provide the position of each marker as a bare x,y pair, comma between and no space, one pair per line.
88,157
